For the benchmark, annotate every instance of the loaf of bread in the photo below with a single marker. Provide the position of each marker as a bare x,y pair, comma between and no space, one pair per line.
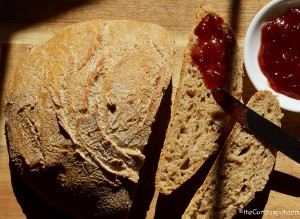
242,168
197,121
79,111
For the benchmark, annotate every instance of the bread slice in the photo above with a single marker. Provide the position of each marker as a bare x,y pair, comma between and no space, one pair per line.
241,169
197,121
79,112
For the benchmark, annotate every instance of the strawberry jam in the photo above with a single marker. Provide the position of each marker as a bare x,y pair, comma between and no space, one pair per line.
212,52
279,55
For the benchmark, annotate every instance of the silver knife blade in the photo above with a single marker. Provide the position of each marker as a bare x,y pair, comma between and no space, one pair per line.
262,128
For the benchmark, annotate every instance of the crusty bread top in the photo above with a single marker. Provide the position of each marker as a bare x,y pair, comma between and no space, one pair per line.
197,121
241,169
83,103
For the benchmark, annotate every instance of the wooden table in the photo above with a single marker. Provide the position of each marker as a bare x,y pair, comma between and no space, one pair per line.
25,24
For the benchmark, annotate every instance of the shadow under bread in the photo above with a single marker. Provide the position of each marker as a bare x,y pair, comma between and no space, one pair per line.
146,185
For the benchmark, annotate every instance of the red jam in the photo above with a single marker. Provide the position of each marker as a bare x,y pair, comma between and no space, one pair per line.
212,52
279,55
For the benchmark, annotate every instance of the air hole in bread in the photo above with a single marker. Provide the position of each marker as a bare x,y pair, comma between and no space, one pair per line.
182,129
111,107
186,164
244,151
202,99
21,110
213,125
191,92
188,118
243,188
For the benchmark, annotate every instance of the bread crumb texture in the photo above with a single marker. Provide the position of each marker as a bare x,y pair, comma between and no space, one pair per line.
79,112
197,121
241,169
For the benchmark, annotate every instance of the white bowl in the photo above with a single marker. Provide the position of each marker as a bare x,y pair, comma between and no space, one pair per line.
252,45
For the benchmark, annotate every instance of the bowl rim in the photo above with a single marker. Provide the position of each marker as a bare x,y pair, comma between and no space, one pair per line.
257,78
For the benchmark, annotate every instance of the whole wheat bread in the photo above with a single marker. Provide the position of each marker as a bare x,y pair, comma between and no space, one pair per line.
197,121
241,169
79,112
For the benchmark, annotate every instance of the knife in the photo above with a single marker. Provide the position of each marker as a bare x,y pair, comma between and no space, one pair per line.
262,128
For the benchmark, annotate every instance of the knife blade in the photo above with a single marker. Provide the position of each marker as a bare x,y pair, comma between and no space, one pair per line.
262,128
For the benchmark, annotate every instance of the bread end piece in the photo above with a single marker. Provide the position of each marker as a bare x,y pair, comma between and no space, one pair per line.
241,169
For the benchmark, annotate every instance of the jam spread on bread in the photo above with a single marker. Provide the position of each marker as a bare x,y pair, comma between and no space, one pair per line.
279,55
212,52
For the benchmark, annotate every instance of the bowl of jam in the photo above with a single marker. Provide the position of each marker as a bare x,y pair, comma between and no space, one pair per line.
272,51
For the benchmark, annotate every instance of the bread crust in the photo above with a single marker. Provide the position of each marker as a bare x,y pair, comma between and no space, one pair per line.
79,111
241,169
197,121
